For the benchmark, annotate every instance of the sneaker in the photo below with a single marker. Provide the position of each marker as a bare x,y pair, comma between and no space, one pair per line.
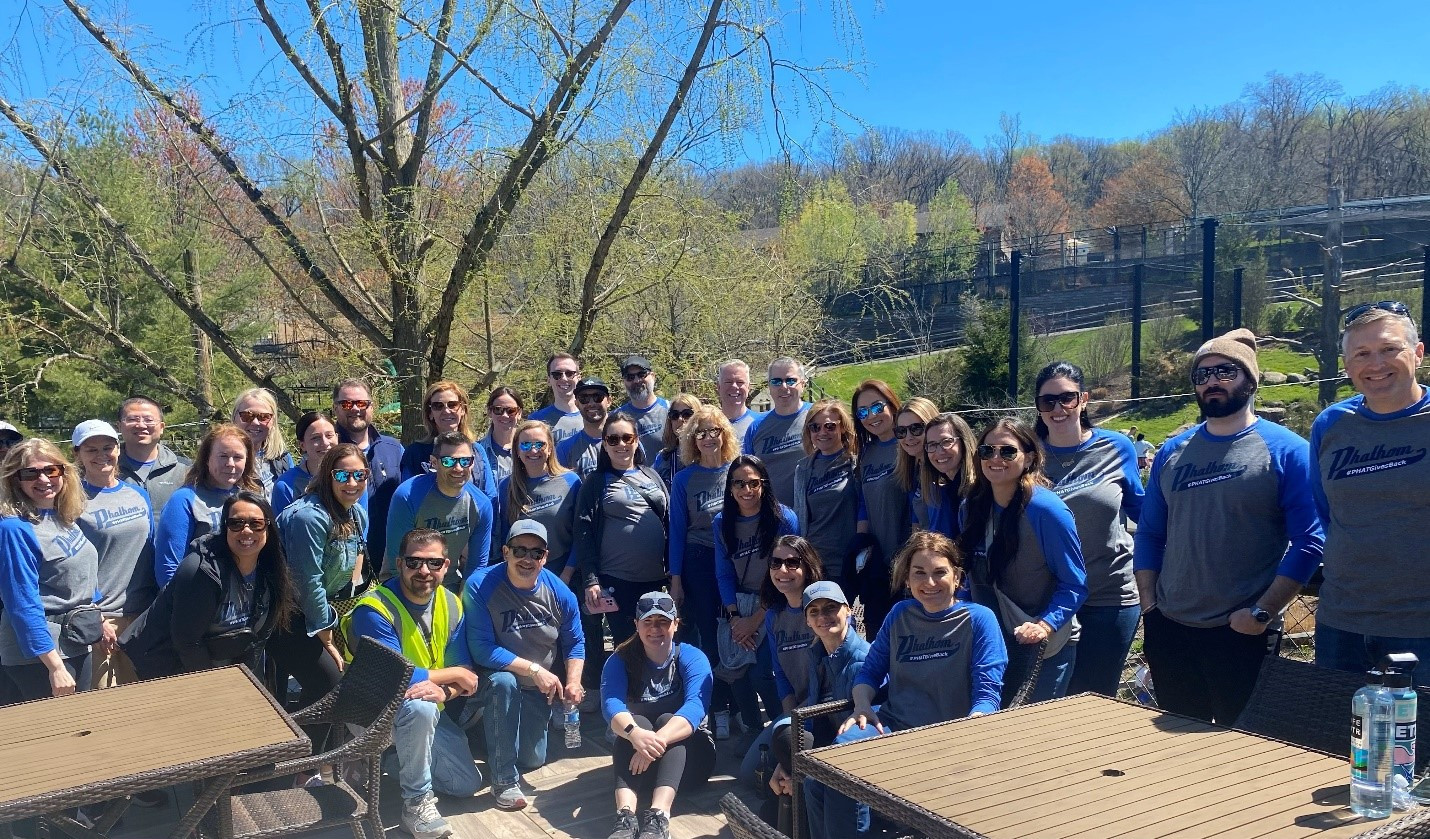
626,826
421,819
509,796
722,725
654,825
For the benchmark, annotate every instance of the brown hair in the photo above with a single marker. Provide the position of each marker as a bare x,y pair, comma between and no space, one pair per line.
909,469
980,500
841,413
809,563
321,486
465,426
931,481
862,437
198,474
925,540
518,491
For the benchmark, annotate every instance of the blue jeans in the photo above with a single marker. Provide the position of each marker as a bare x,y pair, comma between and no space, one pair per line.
1102,648
834,815
1056,673
1341,650
516,720
432,753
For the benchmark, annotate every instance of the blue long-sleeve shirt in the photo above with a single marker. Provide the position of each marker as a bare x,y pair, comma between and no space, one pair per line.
367,622
191,512
504,623
693,681
71,573
753,567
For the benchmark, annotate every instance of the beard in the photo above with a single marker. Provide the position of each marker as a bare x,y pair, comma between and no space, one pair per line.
638,391
1234,401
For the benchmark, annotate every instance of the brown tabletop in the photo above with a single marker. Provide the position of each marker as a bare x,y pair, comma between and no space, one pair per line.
98,745
1093,768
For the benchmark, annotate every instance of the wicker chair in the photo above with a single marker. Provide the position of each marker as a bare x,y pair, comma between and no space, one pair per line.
368,697
744,823
1307,705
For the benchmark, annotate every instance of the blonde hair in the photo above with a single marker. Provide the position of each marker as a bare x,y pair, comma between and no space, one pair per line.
274,446
518,494
729,446
909,469
465,425
841,413
69,502
669,439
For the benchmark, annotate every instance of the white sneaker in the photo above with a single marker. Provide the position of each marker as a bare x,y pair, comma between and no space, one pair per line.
421,819
722,725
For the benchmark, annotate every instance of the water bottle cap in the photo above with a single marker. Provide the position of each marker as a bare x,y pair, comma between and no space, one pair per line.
1374,677
1403,662
1397,679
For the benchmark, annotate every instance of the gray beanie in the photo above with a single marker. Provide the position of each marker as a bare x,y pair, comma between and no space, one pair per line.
1239,345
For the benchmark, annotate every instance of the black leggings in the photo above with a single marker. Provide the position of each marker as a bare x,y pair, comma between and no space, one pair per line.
665,772
32,681
302,656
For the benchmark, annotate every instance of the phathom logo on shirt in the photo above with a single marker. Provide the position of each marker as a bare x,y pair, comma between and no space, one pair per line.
70,541
775,445
452,524
1195,476
1350,462
878,473
913,648
513,620
1070,485
105,519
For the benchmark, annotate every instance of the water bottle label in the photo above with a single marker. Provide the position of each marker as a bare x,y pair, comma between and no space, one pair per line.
1358,729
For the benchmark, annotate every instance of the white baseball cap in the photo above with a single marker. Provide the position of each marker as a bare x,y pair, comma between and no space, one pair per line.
92,428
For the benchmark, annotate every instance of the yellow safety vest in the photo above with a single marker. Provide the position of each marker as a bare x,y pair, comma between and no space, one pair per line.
416,648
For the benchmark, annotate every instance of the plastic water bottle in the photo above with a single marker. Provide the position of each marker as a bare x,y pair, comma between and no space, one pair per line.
1397,667
572,720
764,770
1372,743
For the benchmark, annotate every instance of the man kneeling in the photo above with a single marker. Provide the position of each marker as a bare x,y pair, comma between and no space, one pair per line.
414,615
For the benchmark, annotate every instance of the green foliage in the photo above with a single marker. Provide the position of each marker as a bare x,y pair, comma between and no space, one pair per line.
825,241
1237,247
981,366
953,231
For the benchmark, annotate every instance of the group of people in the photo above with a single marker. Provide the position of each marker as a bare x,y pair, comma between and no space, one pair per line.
721,550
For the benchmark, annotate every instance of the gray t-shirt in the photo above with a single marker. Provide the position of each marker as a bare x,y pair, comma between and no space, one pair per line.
704,497
528,624
832,501
775,439
67,572
742,423
1098,481
562,424
580,453
118,522
632,536
650,425
886,504
790,634
929,661
553,503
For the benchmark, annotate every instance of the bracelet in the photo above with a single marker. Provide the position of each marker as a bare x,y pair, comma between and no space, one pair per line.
448,692
628,729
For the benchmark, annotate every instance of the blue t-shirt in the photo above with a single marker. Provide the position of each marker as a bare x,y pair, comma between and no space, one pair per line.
465,521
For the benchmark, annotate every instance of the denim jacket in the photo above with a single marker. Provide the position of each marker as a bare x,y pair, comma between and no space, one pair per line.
846,661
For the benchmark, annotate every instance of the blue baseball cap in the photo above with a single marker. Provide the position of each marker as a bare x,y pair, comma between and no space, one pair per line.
824,590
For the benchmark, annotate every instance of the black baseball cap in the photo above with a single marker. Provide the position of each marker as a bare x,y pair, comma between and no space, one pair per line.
592,383
636,361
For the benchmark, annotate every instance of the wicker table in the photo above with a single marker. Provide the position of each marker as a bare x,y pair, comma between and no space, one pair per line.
100,746
1093,767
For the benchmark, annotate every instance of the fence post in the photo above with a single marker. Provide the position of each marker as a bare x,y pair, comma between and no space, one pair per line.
1143,255
1236,277
1014,321
1138,275
1425,292
1208,278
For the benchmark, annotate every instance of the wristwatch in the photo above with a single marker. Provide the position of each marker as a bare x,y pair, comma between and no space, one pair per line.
533,670
1260,615
732,612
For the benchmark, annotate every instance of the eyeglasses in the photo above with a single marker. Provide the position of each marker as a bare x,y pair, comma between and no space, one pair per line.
655,602
790,381
433,563
791,564
1395,307
357,476
987,452
240,525
140,422
827,425
682,414
446,406
355,404
591,398
1223,373
449,461
945,445
522,552
1048,401
751,484
30,473
620,439
828,611
872,410
255,416
635,375
564,374
712,433
914,428
531,445
501,411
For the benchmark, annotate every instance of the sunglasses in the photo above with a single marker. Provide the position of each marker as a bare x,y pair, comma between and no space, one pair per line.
531,445
791,381
564,374
712,433
830,610
791,564
944,445
500,411
661,603
240,525
355,404
30,473
1395,307
522,552
448,461
255,416
987,452
682,414
872,411
357,476
620,439
742,485
635,376
1223,373
914,428
591,398
1049,401
445,406
827,425
415,562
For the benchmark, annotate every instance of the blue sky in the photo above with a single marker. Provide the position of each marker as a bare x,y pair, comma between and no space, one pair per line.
1107,68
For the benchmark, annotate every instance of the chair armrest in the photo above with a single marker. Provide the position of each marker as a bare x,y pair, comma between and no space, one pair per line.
318,711
799,716
1026,689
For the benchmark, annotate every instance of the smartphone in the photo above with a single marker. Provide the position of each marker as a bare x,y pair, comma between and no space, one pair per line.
607,603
